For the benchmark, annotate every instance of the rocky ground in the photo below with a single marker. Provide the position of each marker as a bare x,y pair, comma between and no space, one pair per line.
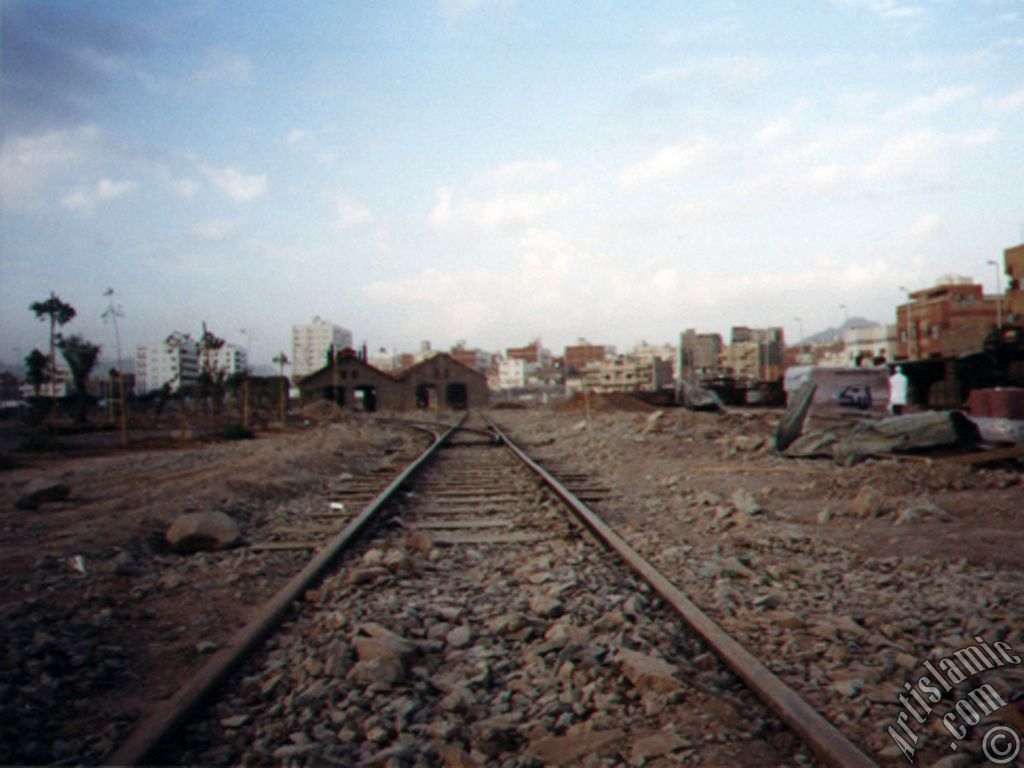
842,579
100,618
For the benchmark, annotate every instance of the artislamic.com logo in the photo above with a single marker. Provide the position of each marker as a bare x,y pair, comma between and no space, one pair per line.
1000,744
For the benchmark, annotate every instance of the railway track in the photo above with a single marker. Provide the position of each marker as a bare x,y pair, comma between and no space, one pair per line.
479,623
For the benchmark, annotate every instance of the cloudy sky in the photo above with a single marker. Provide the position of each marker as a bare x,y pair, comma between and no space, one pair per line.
497,170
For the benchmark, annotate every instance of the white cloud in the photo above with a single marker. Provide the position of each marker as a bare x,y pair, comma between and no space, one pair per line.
221,66
923,106
454,10
185,188
216,230
295,137
85,198
731,75
523,171
887,9
497,210
667,162
239,186
901,155
351,213
780,128
1011,102
924,226
29,164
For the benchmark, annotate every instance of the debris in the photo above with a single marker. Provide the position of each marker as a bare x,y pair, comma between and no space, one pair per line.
41,491
648,672
653,422
696,398
868,504
202,531
849,443
745,502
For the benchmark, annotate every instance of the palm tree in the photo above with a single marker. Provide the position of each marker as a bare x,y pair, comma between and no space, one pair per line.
81,356
59,314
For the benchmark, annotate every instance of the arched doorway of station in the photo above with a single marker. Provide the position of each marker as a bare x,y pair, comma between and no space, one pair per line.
335,394
456,396
426,397
365,398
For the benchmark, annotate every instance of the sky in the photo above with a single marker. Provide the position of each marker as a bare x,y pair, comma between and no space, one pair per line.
499,170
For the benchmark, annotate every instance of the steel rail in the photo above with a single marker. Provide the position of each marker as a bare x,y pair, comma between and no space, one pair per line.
152,731
817,732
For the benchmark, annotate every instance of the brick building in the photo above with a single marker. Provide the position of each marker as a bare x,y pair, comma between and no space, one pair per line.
578,355
950,319
438,383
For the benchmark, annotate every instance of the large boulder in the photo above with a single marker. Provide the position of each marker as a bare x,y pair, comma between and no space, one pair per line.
202,531
42,490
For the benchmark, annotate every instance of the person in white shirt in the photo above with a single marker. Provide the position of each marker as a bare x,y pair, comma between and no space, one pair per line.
897,391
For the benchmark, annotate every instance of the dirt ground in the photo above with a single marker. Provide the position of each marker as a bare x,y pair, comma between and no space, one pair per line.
100,620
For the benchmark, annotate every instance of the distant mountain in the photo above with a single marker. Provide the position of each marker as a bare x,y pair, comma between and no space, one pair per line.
832,334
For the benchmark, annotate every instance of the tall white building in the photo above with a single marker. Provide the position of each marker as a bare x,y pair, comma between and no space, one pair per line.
311,343
230,359
157,364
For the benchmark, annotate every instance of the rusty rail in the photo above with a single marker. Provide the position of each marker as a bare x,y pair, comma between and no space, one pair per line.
168,716
817,732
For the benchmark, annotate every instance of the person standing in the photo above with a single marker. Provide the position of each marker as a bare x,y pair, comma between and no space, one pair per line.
897,391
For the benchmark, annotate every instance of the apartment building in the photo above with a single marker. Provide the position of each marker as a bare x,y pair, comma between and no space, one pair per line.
699,354
582,352
312,342
159,364
533,352
230,360
512,373
626,373
951,318
477,359
754,354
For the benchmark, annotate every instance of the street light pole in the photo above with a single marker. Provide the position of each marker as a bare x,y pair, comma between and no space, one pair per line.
999,294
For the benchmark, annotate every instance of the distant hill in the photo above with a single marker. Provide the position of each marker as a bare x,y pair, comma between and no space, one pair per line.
831,334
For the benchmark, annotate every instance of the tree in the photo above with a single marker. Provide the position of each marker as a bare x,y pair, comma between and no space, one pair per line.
176,342
81,356
211,377
36,372
59,314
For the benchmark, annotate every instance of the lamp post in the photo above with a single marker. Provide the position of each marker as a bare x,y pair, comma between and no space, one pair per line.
999,294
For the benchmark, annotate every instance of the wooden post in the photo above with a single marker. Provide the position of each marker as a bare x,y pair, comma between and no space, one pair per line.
124,410
245,402
284,398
